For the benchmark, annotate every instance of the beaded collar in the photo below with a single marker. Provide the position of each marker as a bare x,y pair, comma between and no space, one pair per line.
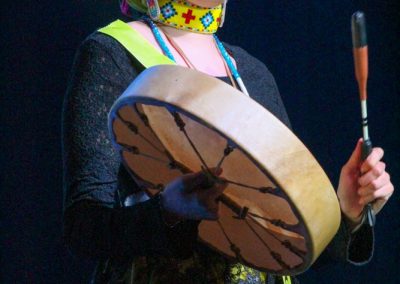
185,16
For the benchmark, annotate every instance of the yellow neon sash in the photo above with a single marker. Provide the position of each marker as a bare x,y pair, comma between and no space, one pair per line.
136,44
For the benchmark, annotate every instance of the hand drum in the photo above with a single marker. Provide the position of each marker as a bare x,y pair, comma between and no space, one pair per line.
279,210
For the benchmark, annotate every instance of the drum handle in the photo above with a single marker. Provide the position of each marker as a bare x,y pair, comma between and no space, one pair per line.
360,53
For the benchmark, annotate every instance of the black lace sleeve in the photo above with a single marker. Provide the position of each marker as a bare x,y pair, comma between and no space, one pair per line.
94,223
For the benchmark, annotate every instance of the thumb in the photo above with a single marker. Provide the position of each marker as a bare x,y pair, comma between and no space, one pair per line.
194,181
355,158
201,179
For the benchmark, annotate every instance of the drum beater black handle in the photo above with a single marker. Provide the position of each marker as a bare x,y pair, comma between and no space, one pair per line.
360,51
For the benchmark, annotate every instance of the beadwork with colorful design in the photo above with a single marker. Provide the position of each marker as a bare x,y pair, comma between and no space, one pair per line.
179,14
183,15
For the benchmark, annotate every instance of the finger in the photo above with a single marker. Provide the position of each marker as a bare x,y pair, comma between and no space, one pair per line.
194,181
221,185
373,158
355,157
210,178
211,195
201,179
216,171
374,185
217,190
372,174
383,193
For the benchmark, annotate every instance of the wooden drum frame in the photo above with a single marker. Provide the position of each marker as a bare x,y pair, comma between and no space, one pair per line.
279,210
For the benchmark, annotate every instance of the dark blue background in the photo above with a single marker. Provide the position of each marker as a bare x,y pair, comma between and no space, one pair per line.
305,44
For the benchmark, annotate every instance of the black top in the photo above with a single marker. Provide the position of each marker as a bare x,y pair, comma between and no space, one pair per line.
102,71
96,224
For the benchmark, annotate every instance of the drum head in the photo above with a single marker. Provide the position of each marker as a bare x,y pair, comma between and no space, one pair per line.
279,209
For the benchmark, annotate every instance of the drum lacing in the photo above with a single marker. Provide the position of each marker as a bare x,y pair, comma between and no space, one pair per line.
132,127
274,254
181,124
241,212
233,247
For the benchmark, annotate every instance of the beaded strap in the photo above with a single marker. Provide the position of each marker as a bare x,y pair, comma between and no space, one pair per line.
158,37
220,47
226,57
231,66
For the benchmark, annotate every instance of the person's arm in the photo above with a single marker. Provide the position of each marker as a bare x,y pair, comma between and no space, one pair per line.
355,247
93,224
